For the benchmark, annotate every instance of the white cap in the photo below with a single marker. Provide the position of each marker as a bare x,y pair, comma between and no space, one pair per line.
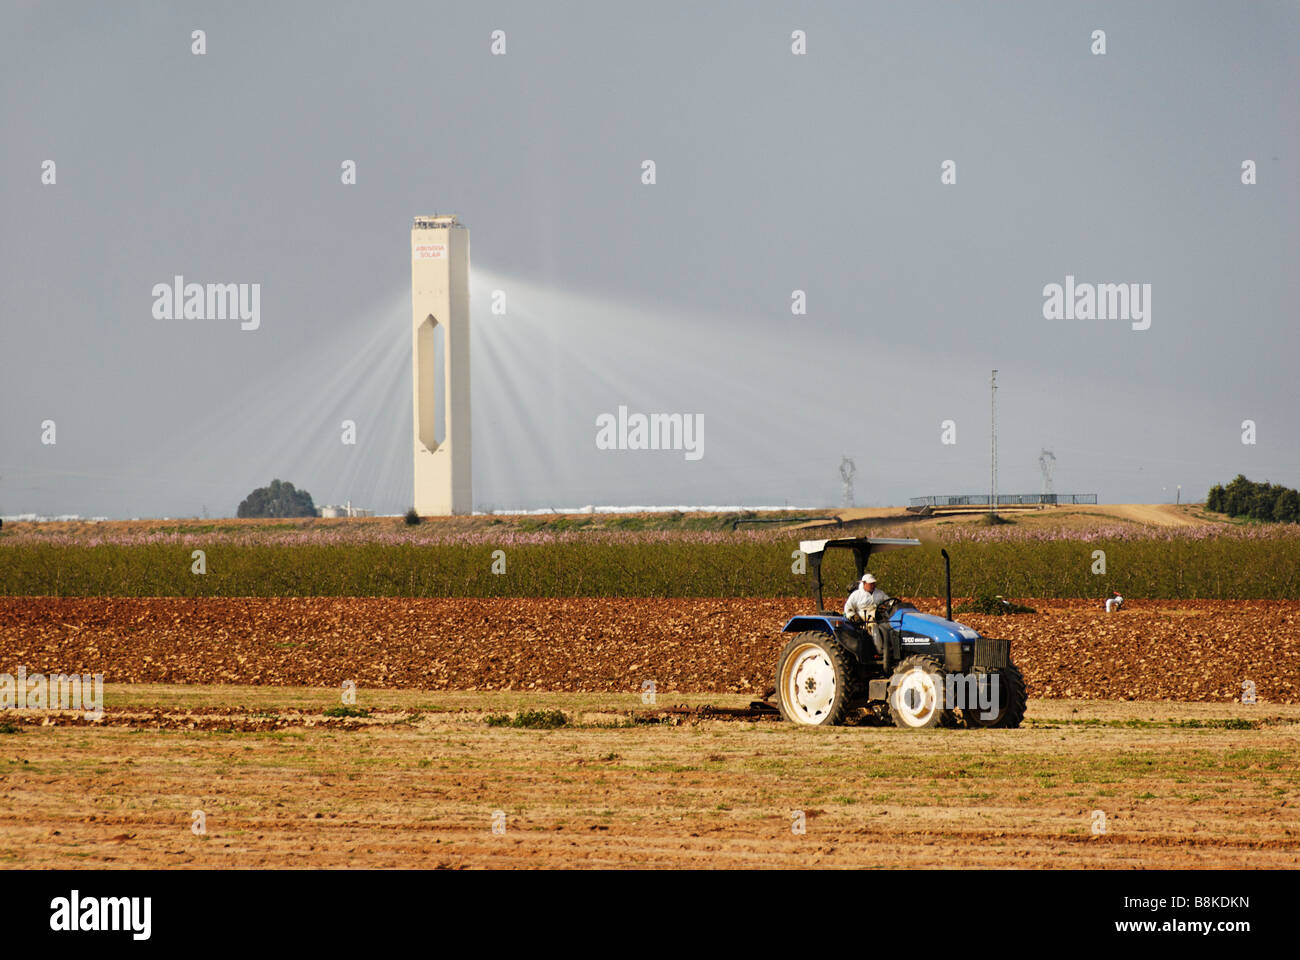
868,578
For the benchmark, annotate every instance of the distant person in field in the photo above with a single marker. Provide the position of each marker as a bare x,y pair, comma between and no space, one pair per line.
1114,602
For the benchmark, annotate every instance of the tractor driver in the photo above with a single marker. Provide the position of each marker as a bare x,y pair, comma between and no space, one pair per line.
860,608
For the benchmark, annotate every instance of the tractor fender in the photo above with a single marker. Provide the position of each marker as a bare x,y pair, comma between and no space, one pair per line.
854,641
815,624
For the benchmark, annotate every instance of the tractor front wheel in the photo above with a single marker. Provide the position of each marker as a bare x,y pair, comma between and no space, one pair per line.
814,680
916,695
1006,705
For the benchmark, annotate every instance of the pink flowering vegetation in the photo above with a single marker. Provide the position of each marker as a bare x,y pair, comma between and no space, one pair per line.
1233,563
526,533
424,536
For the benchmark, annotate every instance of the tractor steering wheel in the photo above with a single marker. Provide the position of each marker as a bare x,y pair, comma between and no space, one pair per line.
887,608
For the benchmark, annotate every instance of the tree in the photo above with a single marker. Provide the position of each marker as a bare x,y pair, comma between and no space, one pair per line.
1215,499
1236,496
1269,502
1261,504
280,499
1287,507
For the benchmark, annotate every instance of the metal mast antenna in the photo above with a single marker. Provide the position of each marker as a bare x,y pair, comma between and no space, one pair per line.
847,470
993,467
1047,464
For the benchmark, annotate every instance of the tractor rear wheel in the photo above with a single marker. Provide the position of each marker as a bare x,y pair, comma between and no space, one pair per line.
916,695
1008,708
815,682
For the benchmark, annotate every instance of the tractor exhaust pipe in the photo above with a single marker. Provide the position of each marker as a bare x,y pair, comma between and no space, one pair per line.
947,582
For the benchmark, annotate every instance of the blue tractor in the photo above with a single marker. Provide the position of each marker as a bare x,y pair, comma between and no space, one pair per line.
913,668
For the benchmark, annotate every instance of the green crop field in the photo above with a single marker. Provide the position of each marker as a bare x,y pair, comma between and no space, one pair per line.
1256,564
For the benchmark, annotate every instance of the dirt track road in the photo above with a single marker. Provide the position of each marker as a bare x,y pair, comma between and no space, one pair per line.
1067,515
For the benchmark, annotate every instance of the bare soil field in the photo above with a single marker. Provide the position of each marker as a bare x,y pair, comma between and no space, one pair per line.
424,778
231,707
1195,650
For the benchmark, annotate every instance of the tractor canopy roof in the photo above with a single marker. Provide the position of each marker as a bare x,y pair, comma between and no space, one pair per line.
862,548
866,545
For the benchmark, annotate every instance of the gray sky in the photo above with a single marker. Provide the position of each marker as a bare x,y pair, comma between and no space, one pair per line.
775,172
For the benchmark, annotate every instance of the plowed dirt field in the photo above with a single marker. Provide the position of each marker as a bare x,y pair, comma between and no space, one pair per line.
1199,650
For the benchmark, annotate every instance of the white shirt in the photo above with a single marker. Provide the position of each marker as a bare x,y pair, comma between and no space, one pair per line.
862,601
